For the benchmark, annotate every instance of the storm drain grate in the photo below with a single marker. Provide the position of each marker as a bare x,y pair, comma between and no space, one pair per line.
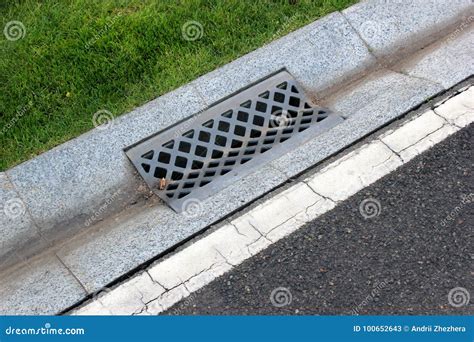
200,156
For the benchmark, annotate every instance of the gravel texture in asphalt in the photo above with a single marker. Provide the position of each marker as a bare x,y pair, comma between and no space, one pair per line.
404,260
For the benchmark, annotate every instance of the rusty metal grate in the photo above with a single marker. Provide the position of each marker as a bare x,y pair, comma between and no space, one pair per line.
200,156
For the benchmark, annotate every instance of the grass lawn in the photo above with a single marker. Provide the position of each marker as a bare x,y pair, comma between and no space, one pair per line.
81,56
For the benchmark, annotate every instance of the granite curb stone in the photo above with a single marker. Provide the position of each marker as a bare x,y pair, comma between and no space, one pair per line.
441,62
103,255
89,178
370,104
17,228
396,28
75,189
40,287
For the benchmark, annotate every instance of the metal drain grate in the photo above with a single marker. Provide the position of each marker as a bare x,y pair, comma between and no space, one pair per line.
200,156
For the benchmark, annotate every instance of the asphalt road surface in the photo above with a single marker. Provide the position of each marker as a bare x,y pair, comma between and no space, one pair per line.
406,260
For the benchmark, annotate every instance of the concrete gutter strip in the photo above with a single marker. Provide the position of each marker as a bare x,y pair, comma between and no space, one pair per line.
18,230
371,103
85,199
440,61
394,29
40,286
196,264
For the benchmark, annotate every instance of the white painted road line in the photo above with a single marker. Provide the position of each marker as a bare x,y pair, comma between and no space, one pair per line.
168,281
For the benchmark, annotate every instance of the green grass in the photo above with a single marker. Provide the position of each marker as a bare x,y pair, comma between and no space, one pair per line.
81,56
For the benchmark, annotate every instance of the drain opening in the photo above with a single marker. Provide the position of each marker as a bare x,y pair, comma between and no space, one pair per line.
224,138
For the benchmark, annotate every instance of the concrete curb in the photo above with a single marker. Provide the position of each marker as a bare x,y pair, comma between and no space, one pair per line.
185,272
88,181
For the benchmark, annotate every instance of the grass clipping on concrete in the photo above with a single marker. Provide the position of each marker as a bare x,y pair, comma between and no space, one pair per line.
69,59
